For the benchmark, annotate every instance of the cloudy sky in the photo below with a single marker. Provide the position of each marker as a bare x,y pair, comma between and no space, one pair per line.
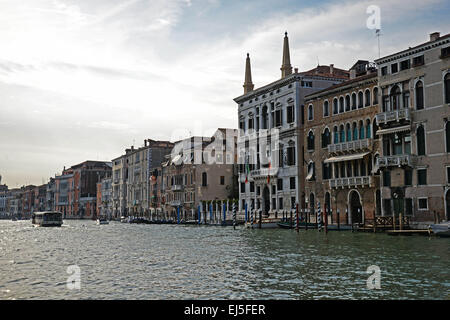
84,79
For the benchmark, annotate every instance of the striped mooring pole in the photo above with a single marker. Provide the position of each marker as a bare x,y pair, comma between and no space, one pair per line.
319,217
234,216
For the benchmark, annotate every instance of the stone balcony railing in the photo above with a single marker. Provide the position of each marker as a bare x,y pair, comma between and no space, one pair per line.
350,146
350,182
395,161
264,173
177,187
175,203
395,115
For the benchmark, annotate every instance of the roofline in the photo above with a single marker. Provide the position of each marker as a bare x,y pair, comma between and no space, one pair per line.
443,38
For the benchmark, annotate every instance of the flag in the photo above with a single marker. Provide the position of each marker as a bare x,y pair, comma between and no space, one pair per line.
268,173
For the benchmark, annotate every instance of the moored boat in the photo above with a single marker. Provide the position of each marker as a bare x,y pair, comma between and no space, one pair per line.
47,219
266,223
102,221
441,229
302,225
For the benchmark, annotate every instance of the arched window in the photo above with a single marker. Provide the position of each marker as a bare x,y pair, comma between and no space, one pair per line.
419,95
326,140
310,112
341,133
447,136
361,130
326,109
341,104
355,131
395,98
310,140
335,135
375,95
420,134
447,87
335,106
374,129
367,98
353,101
347,103
368,136
204,179
349,132
360,99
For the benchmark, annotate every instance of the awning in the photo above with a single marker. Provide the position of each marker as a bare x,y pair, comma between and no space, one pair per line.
392,130
347,158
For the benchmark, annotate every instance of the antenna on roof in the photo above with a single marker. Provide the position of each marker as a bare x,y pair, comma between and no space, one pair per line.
318,64
378,34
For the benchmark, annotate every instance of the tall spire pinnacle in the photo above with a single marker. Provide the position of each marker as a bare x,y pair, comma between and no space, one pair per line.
286,68
248,84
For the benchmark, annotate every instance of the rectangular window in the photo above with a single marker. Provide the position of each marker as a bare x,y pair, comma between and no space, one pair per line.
423,203
386,178
280,184
280,203
252,187
404,65
292,182
448,175
291,156
408,177
418,61
222,180
384,71
394,68
445,52
293,202
290,114
421,177
278,118
408,207
242,187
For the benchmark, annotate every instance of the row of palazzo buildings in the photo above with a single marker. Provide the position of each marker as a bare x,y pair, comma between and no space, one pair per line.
367,142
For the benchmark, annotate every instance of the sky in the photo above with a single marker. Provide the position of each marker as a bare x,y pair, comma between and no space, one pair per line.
85,79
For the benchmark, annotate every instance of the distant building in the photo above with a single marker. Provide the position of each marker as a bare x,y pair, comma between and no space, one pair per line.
104,198
131,177
198,170
76,189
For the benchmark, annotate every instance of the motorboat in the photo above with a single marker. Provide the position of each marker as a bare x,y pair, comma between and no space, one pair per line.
441,229
47,219
102,221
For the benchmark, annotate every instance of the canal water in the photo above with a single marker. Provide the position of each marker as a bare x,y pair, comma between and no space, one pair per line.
129,261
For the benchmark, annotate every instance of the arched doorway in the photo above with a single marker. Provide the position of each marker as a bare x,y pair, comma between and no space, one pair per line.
355,207
266,200
447,205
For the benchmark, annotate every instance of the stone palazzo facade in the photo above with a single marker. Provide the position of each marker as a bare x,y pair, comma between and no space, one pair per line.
414,121
270,143
341,146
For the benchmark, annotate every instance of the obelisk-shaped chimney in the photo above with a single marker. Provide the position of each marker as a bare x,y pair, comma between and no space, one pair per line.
248,84
286,68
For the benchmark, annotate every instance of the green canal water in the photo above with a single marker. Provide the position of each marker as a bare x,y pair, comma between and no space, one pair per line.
129,261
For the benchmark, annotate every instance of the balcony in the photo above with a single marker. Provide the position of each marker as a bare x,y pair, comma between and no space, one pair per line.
263,173
350,146
395,161
175,203
351,182
177,187
395,115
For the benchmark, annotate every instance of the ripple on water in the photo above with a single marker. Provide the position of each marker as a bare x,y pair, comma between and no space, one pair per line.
122,261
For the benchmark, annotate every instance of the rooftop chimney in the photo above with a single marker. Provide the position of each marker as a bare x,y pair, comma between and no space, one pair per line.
296,70
434,36
331,68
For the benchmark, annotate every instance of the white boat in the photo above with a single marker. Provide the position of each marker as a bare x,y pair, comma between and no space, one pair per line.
441,229
47,219
266,223
102,221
